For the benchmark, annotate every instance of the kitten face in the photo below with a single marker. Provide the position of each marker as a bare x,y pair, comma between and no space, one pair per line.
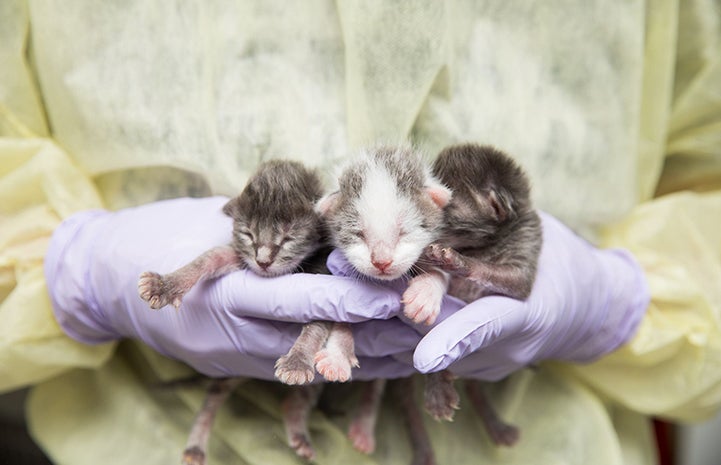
490,191
275,226
273,249
464,227
386,211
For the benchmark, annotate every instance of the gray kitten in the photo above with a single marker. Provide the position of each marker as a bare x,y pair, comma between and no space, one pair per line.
490,243
491,238
275,231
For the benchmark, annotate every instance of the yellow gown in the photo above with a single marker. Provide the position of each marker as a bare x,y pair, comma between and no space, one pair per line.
614,109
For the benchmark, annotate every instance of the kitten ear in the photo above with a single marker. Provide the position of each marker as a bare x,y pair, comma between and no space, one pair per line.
232,208
495,204
439,194
327,203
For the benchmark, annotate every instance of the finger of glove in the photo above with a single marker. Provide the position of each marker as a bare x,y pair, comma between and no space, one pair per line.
374,338
491,364
339,265
207,334
476,326
380,338
302,297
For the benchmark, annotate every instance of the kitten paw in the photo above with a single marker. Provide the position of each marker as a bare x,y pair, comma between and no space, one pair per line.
334,366
293,368
363,440
157,291
503,434
444,257
422,299
442,399
300,443
193,456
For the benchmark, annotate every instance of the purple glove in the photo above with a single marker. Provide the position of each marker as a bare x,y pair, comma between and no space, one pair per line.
585,303
236,325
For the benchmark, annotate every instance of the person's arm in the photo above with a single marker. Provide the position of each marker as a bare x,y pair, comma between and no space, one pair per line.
39,187
671,367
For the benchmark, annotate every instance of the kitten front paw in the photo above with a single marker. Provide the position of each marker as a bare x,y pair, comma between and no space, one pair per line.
158,291
334,366
422,299
293,368
445,258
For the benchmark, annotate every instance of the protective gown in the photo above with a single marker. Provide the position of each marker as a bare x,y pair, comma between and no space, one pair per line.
614,109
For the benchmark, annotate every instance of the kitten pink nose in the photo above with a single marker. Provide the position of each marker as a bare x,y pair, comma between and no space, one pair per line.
382,264
264,257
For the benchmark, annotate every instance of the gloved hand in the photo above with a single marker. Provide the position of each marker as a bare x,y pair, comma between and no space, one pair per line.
236,325
585,303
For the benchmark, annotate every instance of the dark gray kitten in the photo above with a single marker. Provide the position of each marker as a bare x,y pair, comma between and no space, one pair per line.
275,231
490,243
491,238
275,228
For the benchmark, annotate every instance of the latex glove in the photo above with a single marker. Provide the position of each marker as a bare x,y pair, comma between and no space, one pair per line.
585,303
236,325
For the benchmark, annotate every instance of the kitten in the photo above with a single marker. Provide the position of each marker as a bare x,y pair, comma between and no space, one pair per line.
490,243
387,209
491,238
275,231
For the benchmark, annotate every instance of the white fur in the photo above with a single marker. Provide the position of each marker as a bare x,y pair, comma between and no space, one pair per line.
391,226
263,254
424,296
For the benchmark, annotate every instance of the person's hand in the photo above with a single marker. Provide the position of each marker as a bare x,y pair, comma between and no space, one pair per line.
236,325
585,303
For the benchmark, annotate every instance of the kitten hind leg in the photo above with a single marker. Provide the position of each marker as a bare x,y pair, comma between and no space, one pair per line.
336,360
298,365
160,290
441,397
361,431
296,408
500,432
403,393
217,393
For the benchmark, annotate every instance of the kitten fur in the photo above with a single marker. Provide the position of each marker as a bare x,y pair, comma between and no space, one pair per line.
275,231
387,209
490,243
490,222
275,227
